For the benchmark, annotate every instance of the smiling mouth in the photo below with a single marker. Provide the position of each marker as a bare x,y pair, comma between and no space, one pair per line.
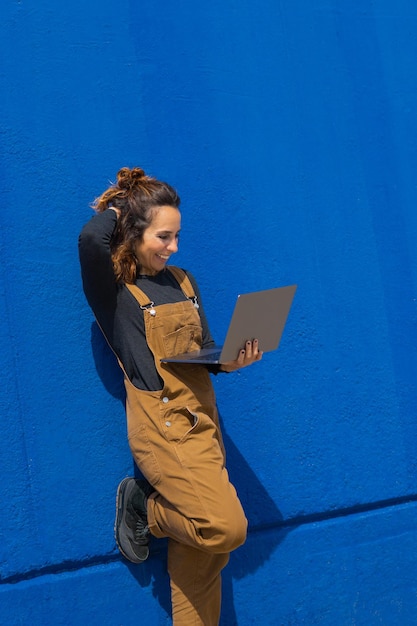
163,257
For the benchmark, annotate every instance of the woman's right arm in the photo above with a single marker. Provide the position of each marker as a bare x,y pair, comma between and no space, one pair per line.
97,273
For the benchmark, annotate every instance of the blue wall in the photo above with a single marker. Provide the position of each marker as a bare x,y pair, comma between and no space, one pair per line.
289,129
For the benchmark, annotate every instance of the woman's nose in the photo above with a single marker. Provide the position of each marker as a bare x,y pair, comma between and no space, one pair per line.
173,246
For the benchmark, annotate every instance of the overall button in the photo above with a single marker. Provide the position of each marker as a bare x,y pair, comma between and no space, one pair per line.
167,423
165,400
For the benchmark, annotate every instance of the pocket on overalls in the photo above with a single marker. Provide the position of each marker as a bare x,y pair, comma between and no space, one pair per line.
185,339
203,439
178,424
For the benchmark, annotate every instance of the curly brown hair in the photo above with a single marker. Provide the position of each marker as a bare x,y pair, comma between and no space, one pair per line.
136,195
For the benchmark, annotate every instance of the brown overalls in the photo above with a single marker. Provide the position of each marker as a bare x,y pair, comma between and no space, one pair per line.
175,439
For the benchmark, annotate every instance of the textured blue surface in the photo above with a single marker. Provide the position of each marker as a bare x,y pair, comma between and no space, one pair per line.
289,130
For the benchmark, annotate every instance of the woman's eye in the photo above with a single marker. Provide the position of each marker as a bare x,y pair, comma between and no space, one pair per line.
168,237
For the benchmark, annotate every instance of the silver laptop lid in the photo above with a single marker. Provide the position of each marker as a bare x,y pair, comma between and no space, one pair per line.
258,315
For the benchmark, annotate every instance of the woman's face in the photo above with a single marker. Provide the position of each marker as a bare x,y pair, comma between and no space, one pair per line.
159,240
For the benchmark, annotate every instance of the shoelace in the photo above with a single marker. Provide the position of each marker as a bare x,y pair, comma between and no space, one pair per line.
142,532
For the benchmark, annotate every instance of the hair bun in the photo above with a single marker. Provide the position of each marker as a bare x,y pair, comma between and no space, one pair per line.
128,178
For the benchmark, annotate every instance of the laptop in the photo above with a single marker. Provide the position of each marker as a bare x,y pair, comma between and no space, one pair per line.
258,315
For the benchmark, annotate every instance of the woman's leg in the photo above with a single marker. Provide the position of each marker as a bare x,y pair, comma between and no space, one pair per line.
195,585
195,506
194,503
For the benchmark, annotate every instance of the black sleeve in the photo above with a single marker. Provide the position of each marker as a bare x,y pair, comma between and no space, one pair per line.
97,273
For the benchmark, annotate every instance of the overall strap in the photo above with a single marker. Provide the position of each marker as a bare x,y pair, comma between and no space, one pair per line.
183,281
140,296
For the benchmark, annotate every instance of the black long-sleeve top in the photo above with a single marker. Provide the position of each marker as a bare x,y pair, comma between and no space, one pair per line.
117,311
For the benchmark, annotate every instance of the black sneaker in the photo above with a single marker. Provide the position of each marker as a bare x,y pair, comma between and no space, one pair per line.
131,525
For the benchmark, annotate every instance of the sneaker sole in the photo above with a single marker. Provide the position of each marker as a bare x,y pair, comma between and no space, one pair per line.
119,510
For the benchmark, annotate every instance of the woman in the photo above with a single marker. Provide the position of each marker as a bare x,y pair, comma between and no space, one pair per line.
148,310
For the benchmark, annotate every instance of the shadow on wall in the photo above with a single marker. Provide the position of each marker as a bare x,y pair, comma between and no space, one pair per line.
257,503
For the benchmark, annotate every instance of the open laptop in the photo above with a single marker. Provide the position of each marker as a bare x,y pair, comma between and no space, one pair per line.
258,315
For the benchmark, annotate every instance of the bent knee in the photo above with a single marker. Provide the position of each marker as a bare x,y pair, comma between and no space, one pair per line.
228,534
235,536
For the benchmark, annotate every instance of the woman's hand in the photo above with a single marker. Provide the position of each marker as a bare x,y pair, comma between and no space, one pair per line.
246,357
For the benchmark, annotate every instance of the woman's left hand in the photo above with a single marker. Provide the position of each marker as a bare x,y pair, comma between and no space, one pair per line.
250,354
